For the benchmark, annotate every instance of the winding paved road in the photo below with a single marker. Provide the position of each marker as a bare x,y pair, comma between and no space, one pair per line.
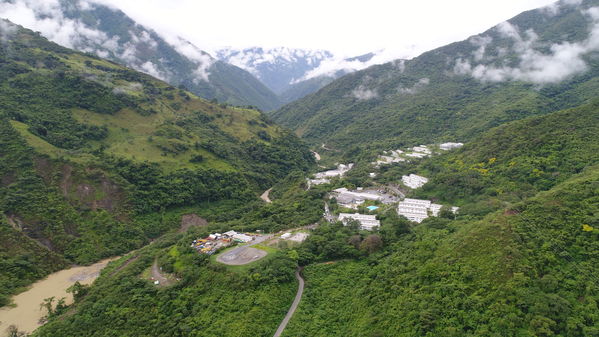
296,301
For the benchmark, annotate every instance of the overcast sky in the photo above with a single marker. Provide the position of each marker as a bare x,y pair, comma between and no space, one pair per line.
346,27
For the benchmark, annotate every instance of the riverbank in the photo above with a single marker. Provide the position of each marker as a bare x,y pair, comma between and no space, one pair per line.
27,312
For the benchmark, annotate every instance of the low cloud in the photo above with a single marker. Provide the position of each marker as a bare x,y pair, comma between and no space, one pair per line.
7,30
563,60
201,59
362,93
556,7
329,67
127,89
48,18
481,42
423,82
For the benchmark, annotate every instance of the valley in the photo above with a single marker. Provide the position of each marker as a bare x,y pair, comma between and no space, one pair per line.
452,194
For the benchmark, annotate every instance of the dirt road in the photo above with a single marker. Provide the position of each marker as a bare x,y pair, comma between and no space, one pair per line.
296,301
265,197
157,275
316,155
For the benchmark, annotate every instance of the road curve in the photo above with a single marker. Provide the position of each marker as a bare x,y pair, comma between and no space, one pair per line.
265,195
296,301
157,275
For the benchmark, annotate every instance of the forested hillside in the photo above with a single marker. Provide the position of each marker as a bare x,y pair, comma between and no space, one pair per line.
511,162
109,33
89,147
512,71
524,268
518,260
525,271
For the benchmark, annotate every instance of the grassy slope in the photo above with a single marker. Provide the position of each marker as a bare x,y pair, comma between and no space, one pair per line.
450,107
90,147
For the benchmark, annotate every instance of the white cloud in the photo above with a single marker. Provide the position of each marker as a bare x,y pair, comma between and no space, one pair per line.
481,42
47,17
202,60
151,69
7,30
329,67
423,82
563,60
346,27
362,93
128,88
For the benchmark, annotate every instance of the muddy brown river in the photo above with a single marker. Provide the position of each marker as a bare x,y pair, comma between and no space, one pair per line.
27,313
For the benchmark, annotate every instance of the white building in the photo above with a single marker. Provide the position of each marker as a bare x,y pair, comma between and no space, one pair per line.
237,236
317,182
339,172
435,209
414,181
353,199
242,237
417,210
450,146
367,222
422,149
417,155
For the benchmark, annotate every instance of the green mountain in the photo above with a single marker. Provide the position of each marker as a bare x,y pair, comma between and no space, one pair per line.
509,163
304,88
109,33
538,62
526,269
90,148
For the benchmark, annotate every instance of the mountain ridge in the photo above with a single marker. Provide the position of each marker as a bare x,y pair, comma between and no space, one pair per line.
110,33
446,94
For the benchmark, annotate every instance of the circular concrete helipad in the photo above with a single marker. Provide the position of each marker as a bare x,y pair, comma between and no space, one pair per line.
241,255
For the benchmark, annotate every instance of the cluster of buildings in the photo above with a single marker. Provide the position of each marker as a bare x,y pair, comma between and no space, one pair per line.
367,222
417,210
414,181
394,156
326,176
352,199
214,242
416,152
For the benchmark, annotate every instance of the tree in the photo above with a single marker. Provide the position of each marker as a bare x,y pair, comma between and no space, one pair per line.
13,331
371,244
78,290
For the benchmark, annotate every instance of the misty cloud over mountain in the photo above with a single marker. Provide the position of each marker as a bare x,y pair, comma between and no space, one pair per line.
536,61
93,27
